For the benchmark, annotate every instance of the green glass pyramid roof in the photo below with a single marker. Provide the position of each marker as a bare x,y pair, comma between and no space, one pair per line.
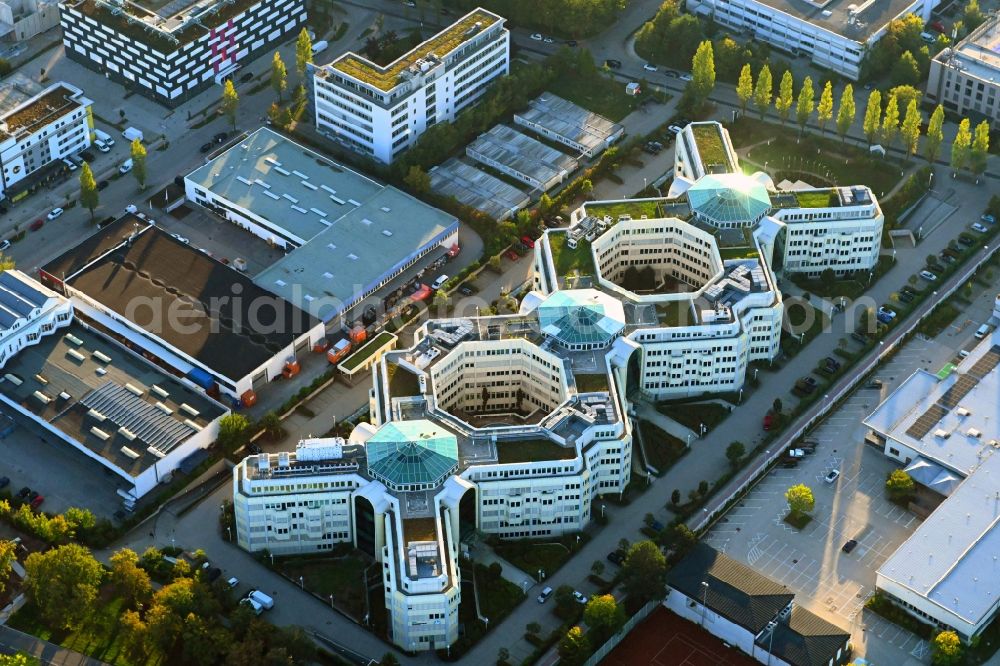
410,452
581,316
729,197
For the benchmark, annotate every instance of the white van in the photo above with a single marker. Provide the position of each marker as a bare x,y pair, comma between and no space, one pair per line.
983,331
257,608
105,137
262,599
319,46
438,283
132,134
69,165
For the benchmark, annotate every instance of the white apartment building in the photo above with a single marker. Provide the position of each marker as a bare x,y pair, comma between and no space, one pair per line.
965,78
834,34
39,132
380,111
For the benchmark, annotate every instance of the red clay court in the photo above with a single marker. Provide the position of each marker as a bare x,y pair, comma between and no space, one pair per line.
666,639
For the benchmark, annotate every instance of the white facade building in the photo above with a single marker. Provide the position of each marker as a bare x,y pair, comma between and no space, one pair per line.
834,34
40,131
965,78
381,111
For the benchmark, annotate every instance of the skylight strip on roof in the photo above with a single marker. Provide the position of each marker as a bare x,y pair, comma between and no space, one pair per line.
300,174
244,180
283,172
328,189
271,194
262,183
318,212
309,185
300,209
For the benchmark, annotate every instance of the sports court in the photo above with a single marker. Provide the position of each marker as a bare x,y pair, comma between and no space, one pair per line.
666,639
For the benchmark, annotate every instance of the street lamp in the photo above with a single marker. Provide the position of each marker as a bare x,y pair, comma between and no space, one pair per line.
230,530
704,600
602,510
331,601
302,584
740,400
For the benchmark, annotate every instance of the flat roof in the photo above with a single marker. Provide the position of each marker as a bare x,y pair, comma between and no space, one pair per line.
440,45
48,106
231,336
20,296
835,15
521,153
570,121
477,189
67,363
951,557
951,420
978,54
291,186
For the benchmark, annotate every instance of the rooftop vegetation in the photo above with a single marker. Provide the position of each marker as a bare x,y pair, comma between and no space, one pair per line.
359,357
818,199
46,108
532,450
402,382
636,209
568,260
710,146
386,78
591,383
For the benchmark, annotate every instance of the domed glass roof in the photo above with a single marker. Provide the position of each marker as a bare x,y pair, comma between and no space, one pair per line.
729,197
403,453
581,316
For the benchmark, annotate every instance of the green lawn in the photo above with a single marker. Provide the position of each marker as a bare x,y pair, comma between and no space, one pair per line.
710,146
497,596
532,450
830,159
675,313
693,414
598,93
530,556
820,199
636,209
803,319
662,449
568,260
727,253
341,577
98,638
363,354
938,320
590,383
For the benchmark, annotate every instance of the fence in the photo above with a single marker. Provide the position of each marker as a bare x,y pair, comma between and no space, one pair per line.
740,484
613,642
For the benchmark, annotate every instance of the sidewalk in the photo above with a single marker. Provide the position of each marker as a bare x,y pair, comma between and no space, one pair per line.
647,412
13,641
484,555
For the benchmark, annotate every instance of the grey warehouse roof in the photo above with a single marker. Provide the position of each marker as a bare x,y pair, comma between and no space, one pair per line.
565,119
476,188
835,15
520,153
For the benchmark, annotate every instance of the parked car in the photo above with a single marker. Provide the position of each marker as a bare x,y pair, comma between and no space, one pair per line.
948,259
537,37
927,275
101,146
988,219
246,78
874,384
548,40
686,77
616,557
181,239
439,282
54,213
611,63
125,167
232,582
37,501
649,68
831,362
832,475
675,129
4,245
768,421
23,492
884,318
466,290
580,598
983,331
206,147
796,453
528,241
981,228
850,545
512,255
102,184
907,298
787,463
37,224
966,240
891,314
571,42
544,595
671,73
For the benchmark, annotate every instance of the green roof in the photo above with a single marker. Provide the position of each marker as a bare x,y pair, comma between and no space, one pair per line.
532,450
581,316
404,453
711,150
729,197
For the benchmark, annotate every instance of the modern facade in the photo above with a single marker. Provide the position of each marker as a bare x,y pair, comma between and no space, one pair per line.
834,34
751,612
192,313
38,132
942,429
497,425
23,19
965,78
171,52
346,235
380,111
95,394
584,132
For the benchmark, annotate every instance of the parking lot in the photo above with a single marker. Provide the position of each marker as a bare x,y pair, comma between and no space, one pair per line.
810,562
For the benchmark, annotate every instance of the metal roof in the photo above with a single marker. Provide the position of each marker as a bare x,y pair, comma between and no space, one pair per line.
404,453
478,189
570,122
19,296
529,158
729,197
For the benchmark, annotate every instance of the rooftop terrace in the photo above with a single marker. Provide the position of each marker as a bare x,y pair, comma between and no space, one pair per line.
49,107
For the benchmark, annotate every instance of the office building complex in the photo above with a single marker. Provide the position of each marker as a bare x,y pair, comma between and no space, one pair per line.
965,78
38,132
834,34
171,52
380,111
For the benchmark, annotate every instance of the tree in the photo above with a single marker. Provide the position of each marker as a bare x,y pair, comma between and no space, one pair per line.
132,581
303,52
417,180
644,571
63,584
972,17
906,70
946,649
533,628
88,189
19,659
763,91
603,616
503,654
805,103
230,102
8,554
388,659
980,148
702,74
744,87
786,96
961,146
776,405
597,568
824,111
873,114
135,638
735,452
574,647
675,497
138,154
846,112
909,132
890,123
899,484
234,431
279,76
271,424
935,134
800,499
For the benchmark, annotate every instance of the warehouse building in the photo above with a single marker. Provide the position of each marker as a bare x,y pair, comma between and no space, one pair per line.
477,189
93,393
346,234
176,304
522,157
172,51
586,133
380,111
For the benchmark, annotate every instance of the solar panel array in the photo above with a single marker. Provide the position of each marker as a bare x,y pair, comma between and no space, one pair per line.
927,420
958,390
985,365
145,420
